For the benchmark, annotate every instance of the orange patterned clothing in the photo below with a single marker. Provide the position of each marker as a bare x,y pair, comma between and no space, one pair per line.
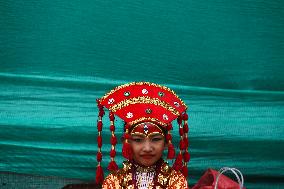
166,177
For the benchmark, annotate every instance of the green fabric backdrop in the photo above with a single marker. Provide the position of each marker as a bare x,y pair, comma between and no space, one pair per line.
224,58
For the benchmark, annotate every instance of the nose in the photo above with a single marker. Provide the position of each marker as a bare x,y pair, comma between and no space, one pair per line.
147,147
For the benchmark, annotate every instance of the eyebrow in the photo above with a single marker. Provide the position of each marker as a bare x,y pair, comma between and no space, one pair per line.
137,135
155,135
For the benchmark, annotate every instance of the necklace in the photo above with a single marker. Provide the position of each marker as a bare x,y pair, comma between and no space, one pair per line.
143,177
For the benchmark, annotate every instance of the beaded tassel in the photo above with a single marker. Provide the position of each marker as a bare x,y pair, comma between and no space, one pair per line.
171,148
112,166
99,171
126,149
179,160
186,155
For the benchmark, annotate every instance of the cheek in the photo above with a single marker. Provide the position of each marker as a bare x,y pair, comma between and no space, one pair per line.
135,148
161,147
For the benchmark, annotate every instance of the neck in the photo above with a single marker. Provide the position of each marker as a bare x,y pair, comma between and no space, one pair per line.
158,163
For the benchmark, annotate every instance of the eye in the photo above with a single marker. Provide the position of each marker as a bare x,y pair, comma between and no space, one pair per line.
156,139
137,140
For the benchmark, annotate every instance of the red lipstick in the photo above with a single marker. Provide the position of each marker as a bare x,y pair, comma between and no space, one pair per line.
147,156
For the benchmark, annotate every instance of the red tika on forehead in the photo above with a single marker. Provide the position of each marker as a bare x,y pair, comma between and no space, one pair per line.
146,129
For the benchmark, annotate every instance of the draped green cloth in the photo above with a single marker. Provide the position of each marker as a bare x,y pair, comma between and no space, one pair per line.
224,58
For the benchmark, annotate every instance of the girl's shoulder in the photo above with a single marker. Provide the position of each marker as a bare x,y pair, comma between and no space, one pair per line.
171,178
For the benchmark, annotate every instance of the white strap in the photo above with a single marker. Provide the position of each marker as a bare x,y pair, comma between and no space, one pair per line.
235,171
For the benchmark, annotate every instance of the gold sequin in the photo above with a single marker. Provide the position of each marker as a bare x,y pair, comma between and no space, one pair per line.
144,100
141,83
142,119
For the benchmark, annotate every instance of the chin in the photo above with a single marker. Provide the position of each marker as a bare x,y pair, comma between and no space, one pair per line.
148,164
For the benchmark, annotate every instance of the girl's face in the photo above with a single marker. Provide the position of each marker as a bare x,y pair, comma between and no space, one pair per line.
147,147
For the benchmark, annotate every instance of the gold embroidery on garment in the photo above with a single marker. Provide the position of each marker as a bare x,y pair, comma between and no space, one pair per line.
144,100
126,166
163,177
141,83
168,178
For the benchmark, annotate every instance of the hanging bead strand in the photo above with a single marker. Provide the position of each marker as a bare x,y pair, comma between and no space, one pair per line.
112,165
126,149
171,148
186,155
99,171
179,160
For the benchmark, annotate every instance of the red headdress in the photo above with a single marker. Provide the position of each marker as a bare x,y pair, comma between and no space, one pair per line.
139,102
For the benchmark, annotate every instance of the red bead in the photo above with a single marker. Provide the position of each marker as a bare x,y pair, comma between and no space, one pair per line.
126,136
100,125
181,131
101,113
112,128
111,116
185,127
127,126
181,145
112,153
168,137
184,171
100,141
179,120
99,156
171,151
186,156
99,105
185,140
169,127
113,140
185,116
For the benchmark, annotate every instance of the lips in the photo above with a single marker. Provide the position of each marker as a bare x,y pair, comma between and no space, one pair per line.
147,156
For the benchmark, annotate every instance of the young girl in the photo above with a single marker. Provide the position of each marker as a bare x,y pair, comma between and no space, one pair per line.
148,110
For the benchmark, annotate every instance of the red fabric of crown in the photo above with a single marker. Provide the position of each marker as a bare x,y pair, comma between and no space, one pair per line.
139,102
